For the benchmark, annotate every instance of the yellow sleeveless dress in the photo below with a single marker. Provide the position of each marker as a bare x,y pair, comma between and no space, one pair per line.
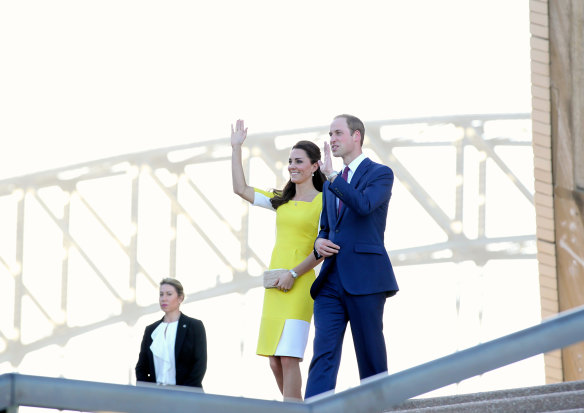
296,230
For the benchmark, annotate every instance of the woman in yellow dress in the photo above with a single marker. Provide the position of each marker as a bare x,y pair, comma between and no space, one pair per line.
287,309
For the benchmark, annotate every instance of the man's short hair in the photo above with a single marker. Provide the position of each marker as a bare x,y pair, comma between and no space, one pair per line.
354,123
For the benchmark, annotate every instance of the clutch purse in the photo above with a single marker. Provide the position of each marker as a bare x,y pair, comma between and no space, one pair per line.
271,276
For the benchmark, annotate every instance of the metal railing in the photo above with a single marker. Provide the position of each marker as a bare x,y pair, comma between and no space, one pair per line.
373,395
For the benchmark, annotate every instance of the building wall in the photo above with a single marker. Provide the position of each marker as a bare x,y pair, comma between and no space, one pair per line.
557,50
541,118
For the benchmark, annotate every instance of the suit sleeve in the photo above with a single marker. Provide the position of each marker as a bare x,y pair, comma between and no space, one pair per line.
199,367
324,226
143,366
365,200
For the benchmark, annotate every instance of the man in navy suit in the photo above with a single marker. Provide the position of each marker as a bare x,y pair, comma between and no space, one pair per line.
356,276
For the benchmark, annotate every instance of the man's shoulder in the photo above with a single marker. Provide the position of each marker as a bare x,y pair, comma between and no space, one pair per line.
376,166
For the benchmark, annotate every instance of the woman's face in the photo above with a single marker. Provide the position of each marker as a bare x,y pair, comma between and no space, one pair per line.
169,299
299,166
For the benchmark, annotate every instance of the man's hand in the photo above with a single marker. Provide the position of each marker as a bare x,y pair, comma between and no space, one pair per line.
326,167
325,247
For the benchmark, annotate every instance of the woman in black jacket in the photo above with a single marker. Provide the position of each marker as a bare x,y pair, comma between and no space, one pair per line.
174,349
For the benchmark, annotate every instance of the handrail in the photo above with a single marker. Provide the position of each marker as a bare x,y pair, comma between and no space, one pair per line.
383,391
66,394
373,395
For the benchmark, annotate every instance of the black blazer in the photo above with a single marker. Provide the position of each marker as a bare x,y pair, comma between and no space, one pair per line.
190,353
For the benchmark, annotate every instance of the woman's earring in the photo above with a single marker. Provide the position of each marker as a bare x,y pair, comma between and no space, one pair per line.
313,174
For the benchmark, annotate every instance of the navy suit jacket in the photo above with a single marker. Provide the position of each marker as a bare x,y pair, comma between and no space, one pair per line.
190,353
362,262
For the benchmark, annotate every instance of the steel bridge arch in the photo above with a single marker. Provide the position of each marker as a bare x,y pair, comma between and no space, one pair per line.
59,195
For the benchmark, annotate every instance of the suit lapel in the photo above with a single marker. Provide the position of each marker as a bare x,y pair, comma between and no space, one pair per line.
150,355
357,175
330,205
363,166
181,331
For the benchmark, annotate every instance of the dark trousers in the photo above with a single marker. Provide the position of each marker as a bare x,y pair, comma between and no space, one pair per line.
333,308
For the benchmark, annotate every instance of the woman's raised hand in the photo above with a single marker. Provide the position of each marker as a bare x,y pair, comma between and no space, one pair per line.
239,134
240,187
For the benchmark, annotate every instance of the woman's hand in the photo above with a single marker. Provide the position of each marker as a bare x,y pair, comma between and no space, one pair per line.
285,281
327,166
239,134
240,186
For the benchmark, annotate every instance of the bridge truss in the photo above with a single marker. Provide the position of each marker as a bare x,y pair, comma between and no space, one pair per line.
114,227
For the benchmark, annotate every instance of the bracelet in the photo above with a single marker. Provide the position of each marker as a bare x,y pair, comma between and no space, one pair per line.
294,274
332,175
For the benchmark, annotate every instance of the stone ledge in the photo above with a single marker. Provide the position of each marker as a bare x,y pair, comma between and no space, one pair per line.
551,397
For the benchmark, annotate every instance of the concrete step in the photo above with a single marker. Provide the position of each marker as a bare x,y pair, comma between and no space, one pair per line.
568,411
554,402
564,397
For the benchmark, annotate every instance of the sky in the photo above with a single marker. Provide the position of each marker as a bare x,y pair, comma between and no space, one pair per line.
84,80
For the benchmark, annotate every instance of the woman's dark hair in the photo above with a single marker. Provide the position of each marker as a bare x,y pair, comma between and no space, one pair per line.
286,194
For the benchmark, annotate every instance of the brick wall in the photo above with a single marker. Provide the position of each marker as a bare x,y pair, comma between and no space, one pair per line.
542,151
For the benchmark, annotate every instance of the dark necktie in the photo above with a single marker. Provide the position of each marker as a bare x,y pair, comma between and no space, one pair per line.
345,176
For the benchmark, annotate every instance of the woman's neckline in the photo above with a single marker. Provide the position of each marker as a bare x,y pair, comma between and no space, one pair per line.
300,200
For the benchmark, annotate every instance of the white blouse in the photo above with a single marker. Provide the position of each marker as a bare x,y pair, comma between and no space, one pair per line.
162,347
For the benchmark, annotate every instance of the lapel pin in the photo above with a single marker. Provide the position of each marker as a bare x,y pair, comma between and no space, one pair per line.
184,326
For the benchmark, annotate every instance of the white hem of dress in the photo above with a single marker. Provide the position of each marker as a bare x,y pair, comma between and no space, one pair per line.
293,339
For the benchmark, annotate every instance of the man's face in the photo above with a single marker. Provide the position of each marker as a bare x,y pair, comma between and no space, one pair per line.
342,142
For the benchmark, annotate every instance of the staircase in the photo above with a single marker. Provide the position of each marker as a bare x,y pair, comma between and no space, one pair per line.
562,397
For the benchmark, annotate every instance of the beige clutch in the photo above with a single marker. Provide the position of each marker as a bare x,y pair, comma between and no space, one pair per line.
271,276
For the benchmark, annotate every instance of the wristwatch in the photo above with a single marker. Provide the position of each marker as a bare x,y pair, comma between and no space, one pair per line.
332,175
316,254
294,274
